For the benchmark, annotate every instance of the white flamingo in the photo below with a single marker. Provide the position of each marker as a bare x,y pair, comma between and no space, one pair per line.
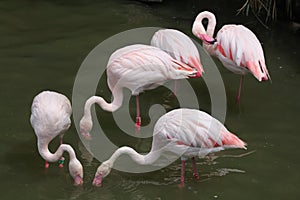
50,117
186,132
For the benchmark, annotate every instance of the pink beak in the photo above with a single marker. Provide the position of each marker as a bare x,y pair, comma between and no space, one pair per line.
207,39
78,180
87,136
98,180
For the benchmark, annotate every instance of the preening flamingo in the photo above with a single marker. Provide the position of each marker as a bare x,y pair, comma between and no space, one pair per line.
50,117
235,46
186,132
138,68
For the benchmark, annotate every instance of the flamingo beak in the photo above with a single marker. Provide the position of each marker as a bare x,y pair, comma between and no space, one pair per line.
98,180
86,136
78,180
207,39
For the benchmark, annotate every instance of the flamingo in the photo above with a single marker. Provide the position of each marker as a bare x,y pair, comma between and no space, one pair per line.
137,67
179,46
185,132
50,117
235,46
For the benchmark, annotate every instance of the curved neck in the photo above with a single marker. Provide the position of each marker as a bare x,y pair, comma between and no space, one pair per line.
111,107
147,159
53,157
198,27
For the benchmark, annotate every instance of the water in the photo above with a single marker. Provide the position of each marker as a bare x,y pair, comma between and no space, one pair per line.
42,46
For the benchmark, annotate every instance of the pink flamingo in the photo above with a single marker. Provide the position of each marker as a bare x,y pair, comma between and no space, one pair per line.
235,46
50,117
185,132
138,68
179,46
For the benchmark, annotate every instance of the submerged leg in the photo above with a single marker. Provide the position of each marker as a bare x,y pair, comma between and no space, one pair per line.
138,121
196,175
240,90
46,164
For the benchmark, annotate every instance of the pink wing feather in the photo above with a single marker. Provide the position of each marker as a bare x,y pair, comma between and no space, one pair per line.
240,51
179,46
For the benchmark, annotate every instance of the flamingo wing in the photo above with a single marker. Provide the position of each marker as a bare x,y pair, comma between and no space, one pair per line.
195,130
240,51
179,46
50,113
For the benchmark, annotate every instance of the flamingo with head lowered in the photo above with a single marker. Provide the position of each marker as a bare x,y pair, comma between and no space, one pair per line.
185,132
235,46
50,117
179,46
138,68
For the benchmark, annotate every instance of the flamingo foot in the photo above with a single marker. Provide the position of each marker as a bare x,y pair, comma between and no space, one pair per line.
46,165
61,162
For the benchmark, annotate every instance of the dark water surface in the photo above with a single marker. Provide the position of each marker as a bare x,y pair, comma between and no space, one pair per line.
43,44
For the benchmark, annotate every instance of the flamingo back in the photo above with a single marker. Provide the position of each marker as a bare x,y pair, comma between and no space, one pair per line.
195,129
50,114
142,67
240,51
179,46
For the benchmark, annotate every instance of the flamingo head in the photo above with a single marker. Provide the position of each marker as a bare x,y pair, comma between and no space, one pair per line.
102,171
86,125
76,171
207,39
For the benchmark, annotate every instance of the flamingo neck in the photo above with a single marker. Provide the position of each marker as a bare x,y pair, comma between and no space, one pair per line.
111,107
53,157
147,159
198,27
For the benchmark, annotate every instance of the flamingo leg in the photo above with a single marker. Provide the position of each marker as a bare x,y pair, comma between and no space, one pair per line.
46,164
175,87
196,175
182,174
240,89
138,115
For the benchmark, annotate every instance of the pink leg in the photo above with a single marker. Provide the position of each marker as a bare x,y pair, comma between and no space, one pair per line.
138,115
46,164
240,90
196,175
175,87
182,174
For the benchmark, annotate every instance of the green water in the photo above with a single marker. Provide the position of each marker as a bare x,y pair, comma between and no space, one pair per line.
43,44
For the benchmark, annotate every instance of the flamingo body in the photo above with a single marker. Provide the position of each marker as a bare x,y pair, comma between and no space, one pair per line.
50,117
179,46
185,132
